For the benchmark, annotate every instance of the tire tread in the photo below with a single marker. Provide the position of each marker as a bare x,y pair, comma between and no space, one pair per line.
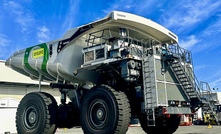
50,106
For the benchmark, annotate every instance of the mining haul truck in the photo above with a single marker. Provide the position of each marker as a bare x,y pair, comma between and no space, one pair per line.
108,72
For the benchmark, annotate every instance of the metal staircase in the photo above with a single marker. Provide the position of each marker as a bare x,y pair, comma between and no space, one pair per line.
179,61
186,81
149,91
208,107
194,90
208,101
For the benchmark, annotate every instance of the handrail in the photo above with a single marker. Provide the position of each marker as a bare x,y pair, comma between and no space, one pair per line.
184,54
98,35
196,81
206,89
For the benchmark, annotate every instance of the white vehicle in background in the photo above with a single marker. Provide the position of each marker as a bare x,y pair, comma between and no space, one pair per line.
115,69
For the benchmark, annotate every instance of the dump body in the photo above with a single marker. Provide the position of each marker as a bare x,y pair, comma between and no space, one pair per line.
56,60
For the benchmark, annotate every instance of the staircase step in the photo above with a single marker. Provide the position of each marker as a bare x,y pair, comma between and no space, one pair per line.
190,91
180,73
177,69
192,95
186,84
188,88
184,80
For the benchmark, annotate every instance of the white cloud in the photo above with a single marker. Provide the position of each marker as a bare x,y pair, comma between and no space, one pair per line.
216,83
4,42
25,21
71,15
145,6
200,67
211,74
186,13
21,15
189,42
130,5
43,34
213,28
208,36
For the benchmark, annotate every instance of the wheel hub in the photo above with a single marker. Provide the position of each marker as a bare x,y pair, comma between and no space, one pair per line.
30,116
100,114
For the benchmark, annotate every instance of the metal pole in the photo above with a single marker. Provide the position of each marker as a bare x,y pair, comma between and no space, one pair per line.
39,85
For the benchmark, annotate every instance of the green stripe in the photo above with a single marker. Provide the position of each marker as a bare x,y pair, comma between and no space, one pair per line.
45,58
27,52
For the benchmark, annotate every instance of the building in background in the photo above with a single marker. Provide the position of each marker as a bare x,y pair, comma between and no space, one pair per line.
13,86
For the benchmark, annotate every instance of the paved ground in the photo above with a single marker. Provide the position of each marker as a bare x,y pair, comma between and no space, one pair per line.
195,129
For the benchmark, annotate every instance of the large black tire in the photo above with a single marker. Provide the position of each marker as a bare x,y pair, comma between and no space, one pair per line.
37,114
105,111
53,107
163,124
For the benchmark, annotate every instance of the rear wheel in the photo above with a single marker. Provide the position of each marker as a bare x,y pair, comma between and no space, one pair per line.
37,114
167,125
105,111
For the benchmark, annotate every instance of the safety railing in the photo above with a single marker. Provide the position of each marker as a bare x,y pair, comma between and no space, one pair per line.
185,55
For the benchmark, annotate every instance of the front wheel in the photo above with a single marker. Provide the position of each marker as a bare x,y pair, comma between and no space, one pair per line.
105,111
37,114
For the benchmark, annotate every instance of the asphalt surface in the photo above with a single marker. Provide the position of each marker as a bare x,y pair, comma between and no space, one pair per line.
195,129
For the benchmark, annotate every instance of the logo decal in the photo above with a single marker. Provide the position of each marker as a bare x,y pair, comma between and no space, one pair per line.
38,53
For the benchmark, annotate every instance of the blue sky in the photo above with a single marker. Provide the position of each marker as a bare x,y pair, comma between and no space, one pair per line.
197,23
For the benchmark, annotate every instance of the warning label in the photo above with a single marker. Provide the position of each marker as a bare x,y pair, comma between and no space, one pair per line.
38,53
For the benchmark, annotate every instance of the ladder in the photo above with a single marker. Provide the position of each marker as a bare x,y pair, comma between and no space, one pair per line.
149,91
